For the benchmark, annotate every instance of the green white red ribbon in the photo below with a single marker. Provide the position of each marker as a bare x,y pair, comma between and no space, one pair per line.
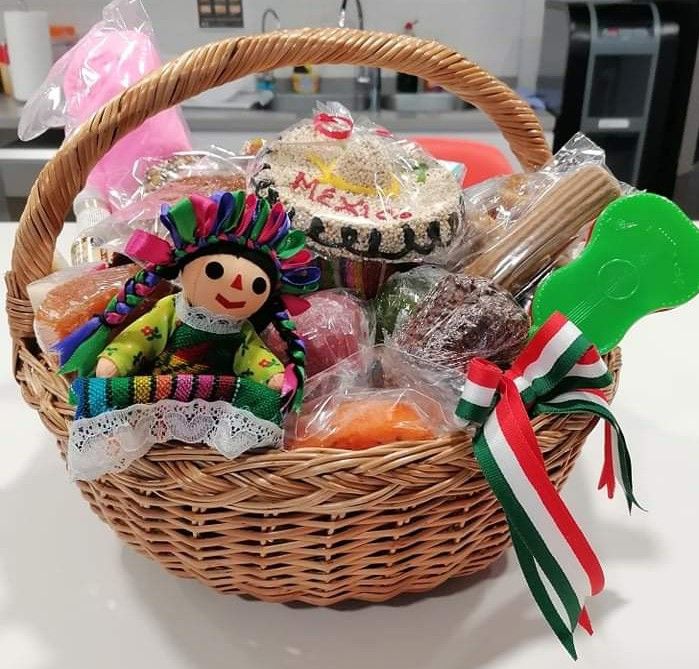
558,372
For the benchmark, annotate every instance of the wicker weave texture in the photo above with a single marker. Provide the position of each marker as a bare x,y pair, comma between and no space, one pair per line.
311,525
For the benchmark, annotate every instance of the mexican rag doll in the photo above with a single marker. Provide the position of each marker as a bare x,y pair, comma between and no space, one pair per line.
193,368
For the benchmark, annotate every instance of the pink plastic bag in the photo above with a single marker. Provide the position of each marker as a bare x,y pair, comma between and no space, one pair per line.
115,54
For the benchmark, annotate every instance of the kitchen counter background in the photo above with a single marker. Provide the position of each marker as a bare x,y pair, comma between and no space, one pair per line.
250,121
20,162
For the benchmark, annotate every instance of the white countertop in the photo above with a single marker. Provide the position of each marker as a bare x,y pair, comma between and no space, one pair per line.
73,597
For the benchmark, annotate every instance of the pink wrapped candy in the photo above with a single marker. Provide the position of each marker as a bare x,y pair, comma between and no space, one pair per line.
335,326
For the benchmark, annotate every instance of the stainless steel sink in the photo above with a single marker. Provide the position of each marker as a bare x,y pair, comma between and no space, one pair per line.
343,91
303,104
356,98
421,102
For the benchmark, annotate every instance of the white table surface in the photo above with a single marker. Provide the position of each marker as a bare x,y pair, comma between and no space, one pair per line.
73,596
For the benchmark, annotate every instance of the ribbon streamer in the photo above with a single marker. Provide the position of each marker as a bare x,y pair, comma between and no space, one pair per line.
558,372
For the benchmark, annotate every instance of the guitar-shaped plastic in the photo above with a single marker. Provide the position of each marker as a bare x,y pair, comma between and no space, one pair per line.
643,256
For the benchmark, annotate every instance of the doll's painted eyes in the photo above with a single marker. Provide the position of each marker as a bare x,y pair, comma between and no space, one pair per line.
214,270
259,286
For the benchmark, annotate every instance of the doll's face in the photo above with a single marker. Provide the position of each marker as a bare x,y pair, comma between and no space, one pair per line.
226,285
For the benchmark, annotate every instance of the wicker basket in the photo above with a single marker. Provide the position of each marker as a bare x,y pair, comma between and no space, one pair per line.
310,525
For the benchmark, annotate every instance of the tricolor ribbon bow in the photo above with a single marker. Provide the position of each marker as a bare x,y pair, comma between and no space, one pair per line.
558,372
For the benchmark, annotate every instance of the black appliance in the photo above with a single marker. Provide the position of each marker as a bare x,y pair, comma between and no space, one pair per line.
608,69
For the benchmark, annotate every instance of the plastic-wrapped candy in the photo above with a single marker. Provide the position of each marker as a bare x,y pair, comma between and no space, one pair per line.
461,318
116,53
68,298
520,225
367,419
375,397
401,294
358,191
335,326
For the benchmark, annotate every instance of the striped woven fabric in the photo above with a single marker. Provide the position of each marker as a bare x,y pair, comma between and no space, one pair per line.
94,396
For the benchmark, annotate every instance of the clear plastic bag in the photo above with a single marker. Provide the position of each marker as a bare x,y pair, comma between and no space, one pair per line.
167,182
367,401
461,318
116,53
365,419
64,300
336,326
359,192
402,294
185,173
524,222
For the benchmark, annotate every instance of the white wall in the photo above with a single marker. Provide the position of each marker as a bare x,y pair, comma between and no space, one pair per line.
500,35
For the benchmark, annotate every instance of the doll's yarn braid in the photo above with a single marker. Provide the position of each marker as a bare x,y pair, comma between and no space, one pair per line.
78,352
131,294
296,350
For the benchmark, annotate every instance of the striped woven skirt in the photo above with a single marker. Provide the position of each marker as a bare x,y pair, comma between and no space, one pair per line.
118,420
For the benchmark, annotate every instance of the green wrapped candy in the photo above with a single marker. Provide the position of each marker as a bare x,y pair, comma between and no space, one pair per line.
400,296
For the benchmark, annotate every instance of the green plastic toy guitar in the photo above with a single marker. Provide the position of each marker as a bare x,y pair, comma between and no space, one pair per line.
643,256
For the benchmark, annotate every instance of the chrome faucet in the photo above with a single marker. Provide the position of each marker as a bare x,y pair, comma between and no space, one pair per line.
368,81
267,13
266,81
342,20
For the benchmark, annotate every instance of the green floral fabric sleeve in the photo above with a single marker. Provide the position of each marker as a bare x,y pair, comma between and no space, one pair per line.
144,339
253,359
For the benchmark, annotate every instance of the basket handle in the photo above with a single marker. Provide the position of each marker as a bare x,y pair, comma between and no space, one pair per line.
221,62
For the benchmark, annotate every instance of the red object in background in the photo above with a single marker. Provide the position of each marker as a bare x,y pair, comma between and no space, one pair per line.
482,161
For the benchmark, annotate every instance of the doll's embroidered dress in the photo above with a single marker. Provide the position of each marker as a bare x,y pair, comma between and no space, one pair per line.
176,338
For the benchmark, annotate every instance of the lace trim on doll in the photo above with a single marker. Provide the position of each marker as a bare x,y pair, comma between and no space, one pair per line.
202,319
110,442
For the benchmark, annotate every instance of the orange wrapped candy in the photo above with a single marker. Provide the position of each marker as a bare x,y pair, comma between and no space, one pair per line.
75,300
366,420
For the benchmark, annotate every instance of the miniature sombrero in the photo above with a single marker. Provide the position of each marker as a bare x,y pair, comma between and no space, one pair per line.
360,193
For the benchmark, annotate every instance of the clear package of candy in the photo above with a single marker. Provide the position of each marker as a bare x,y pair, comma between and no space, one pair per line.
116,53
461,318
65,299
366,419
519,225
367,401
167,182
335,326
359,192
402,294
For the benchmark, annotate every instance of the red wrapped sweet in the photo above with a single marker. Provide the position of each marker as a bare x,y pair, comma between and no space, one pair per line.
335,326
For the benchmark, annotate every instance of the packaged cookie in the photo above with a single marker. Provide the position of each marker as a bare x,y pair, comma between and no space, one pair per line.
201,172
166,182
461,318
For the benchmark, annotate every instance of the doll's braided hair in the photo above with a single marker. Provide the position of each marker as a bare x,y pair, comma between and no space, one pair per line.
244,225
78,352
296,350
